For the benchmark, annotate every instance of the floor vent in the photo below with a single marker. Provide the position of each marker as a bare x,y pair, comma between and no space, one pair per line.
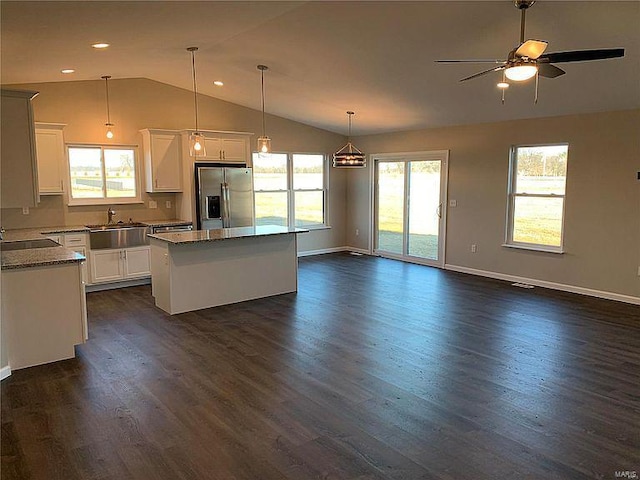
357,254
521,285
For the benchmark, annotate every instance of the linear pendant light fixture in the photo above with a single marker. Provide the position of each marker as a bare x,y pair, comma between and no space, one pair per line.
109,125
196,139
349,156
264,142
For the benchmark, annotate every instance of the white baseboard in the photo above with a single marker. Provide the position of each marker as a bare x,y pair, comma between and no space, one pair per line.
545,284
5,372
322,251
96,287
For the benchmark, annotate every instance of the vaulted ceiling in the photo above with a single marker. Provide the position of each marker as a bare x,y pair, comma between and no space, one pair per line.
375,58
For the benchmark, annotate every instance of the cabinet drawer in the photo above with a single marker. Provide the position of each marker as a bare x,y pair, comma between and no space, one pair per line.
75,239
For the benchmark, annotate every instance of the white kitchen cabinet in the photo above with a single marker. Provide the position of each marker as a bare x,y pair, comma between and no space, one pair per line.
113,265
162,160
43,313
19,182
51,158
227,148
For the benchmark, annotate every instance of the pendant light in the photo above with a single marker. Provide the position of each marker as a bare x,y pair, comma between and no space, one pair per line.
264,142
349,156
109,125
196,139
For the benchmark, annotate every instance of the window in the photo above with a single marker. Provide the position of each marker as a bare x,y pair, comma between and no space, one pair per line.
101,174
537,180
289,189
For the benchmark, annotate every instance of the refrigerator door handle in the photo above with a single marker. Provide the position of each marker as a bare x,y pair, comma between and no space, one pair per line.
226,211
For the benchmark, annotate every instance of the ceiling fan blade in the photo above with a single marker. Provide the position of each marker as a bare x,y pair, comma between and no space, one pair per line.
582,55
470,61
531,49
495,69
549,71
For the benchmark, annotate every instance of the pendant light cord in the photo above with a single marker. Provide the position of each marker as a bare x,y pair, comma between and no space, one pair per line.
106,85
262,84
195,88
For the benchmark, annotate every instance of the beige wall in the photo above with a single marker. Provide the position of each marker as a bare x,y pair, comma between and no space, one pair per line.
602,212
141,103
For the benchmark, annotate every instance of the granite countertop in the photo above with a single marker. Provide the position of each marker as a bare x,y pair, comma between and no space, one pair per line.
200,236
35,233
166,223
38,257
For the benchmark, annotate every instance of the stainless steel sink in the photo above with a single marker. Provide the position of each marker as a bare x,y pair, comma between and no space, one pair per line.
119,235
27,244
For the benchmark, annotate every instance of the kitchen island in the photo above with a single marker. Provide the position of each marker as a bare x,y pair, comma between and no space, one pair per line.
44,312
208,268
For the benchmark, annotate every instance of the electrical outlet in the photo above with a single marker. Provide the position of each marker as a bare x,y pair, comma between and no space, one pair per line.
25,210
453,203
167,204
357,232
474,248
153,204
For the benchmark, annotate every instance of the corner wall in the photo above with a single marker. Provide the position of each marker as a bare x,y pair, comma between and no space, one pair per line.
602,211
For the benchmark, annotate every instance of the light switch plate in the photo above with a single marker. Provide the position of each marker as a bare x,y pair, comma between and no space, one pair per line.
167,204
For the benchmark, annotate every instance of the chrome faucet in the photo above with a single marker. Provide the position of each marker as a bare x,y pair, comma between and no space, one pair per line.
110,214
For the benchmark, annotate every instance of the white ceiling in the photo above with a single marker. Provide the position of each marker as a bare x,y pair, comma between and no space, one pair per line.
376,58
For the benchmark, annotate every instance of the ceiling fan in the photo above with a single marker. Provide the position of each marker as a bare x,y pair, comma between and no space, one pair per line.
529,60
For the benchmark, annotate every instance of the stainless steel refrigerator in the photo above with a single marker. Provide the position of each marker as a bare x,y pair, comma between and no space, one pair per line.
224,196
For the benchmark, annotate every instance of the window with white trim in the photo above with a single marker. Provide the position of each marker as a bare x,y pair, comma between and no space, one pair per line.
100,174
290,189
537,184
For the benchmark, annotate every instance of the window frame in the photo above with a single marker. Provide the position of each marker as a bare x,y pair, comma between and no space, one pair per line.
104,200
512,195
290,191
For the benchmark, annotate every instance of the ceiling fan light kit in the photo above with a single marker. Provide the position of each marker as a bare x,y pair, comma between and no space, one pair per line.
528,60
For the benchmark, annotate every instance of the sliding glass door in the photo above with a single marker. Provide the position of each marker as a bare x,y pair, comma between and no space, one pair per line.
410,191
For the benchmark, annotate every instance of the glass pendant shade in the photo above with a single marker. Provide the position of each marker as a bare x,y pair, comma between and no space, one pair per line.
196,139
196,145
109,130
264,142
108,126
264,145
349,156
520,73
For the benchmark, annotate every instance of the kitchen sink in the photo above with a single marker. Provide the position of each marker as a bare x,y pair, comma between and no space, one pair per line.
119,235
115,226
27,244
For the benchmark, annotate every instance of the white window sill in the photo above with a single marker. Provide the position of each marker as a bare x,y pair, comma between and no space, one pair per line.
535,248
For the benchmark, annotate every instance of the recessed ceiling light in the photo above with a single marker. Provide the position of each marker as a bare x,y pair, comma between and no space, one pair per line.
67,70
100,46
218,83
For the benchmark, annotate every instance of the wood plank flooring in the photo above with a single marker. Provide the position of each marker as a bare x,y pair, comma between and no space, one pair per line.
375,369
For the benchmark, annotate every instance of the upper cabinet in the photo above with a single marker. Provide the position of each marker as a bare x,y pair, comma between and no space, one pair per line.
162,160
51,158
18,146
225,147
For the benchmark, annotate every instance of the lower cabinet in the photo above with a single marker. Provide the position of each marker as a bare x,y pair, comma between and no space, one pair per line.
120,264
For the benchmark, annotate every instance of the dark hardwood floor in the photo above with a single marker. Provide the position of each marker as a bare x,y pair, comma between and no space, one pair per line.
375,369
